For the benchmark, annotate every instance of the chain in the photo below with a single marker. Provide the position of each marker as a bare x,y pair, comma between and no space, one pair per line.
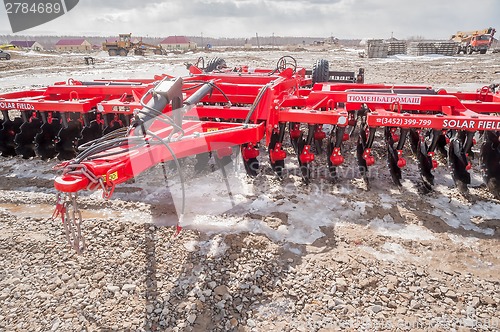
71,216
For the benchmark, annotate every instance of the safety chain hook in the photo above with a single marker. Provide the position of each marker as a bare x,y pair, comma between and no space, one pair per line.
71,216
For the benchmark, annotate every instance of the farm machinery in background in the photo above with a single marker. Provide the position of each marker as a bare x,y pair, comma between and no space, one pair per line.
474,41
123,128
124,45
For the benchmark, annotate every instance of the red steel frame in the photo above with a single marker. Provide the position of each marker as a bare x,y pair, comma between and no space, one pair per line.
265,98
285,98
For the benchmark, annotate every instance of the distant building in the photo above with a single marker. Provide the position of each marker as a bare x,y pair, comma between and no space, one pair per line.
73,45
27,44
178,43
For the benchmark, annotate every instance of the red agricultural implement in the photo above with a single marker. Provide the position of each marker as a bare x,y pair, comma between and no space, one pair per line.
209,113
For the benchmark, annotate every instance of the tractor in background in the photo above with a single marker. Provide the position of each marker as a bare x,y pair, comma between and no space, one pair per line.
124,45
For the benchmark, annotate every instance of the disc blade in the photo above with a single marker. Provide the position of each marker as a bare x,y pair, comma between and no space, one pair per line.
44,141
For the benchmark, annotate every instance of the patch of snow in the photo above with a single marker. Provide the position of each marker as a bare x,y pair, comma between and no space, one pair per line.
392,252
470,242
459,215
406,232
386,201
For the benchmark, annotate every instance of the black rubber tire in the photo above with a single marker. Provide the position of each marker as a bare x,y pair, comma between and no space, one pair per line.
112,52
469,49
320,71
482,51
122,52
215,64
7,57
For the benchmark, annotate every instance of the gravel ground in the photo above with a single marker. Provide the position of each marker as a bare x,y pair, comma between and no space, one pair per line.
342,258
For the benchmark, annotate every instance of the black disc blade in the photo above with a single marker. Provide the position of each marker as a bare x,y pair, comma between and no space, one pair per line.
202,160
414,141
305,168
67,138
278,167
441,146
45,146
425,165
331,168
224,161
457,162
112,127
318,145
392,162
25,139
293,141
251,166
8,132
490,162
90,133
363,167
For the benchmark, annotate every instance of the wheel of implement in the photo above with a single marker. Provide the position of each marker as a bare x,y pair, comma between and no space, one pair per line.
320,71
215,64
113,52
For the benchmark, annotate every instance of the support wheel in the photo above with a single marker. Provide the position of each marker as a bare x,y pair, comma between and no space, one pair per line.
215,64
320,71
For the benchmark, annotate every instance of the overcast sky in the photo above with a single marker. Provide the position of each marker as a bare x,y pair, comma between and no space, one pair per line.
244,18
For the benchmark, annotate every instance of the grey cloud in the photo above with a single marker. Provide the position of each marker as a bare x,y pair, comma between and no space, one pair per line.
241,18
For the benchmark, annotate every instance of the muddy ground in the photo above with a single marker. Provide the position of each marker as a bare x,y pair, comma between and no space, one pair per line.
286,257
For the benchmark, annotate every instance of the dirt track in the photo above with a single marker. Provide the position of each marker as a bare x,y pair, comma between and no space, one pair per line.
329,257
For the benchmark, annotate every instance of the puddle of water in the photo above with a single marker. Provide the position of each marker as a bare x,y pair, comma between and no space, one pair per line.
46,211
